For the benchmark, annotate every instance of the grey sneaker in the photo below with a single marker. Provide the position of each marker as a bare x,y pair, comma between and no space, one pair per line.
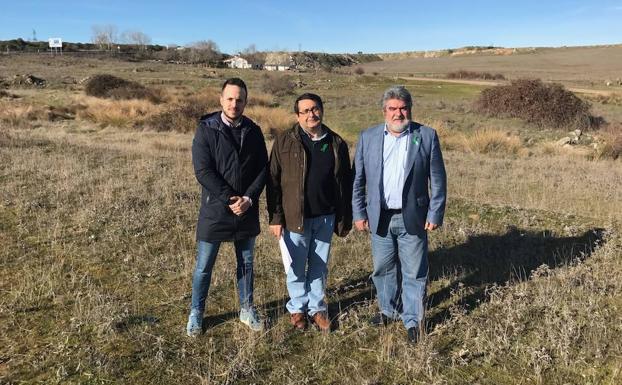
250,318
195,324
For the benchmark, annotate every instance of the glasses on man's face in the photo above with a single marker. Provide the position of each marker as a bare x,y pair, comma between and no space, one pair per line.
315,110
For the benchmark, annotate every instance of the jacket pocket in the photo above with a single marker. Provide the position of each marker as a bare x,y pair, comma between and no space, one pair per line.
422,201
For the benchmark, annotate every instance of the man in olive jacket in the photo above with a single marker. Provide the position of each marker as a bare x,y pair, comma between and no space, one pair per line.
309,195
230,158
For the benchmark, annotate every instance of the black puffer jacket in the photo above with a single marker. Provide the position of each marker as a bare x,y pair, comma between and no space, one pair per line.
224,172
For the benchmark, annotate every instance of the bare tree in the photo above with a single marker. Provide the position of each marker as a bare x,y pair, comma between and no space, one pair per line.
104,35
204,51
256,58
136,37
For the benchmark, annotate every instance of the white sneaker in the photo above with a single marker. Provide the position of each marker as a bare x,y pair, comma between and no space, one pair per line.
250,318
195,324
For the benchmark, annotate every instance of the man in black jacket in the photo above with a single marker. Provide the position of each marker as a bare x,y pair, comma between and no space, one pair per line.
229,157
309,193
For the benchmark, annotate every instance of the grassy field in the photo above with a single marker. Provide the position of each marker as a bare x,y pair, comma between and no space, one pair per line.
573,66
97,220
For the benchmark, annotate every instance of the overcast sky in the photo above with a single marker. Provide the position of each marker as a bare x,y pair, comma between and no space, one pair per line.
325,26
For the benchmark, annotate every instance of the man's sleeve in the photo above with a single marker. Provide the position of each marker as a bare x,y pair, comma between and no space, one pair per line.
274,192
358,187
438,184
205,171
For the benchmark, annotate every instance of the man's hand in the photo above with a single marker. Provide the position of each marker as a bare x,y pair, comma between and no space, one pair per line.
362,225
430,226
277,230
239,204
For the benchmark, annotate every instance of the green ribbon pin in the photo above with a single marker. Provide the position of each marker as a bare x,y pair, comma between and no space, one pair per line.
324,147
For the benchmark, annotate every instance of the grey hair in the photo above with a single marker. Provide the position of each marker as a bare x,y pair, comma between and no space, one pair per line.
399,93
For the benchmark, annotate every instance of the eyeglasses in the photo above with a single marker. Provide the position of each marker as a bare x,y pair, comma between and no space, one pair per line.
315,110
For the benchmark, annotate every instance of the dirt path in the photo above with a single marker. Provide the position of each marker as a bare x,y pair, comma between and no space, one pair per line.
495,83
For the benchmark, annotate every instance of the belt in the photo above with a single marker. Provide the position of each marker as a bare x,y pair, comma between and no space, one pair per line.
392,211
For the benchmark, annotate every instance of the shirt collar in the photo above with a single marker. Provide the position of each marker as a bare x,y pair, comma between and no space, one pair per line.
228,122
405,132
322,136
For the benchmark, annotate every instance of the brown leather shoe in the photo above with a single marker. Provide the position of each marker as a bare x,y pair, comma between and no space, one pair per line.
298,320
321,321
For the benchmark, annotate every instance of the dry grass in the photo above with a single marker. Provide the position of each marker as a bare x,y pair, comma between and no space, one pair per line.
611,146
97,233
117,113
483,141
14,114
554,183
271,120
98,250
492,141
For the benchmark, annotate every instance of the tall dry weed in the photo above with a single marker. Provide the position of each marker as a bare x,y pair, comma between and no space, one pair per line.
489,141
117,113
611,145
20,114
271,120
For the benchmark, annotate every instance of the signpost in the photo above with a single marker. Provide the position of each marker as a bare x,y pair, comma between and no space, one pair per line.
55,44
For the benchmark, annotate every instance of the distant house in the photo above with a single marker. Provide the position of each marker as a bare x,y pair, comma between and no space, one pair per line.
277,67
279,61
240,62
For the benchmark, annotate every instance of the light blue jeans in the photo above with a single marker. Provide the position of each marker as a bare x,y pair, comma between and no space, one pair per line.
306,278
400,270
206,257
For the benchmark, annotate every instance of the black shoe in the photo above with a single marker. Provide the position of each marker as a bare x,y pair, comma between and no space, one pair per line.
380,320
413,334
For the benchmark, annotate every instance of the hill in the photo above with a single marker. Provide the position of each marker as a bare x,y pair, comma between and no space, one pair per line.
586,66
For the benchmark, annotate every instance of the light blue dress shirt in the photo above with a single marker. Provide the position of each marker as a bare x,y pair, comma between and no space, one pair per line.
394,155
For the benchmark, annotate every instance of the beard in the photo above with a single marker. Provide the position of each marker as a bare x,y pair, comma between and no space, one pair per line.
400,127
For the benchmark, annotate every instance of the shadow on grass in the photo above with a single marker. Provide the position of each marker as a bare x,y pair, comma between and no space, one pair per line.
496,259
481,261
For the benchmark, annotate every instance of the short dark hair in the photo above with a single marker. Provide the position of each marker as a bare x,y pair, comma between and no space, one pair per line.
235,82
309,96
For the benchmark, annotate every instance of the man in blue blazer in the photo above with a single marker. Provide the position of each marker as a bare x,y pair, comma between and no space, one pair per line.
399,193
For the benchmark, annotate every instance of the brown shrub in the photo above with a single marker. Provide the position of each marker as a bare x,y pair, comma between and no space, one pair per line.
611,135
277,84
359,70
463,74
112,87
182,117
545,105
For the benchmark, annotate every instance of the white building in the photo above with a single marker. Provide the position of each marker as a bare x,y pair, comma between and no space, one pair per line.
240,62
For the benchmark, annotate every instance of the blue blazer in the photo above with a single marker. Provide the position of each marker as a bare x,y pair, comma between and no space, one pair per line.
425,180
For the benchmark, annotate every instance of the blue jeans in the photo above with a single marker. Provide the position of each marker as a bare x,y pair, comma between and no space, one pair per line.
206,257
400,269
306,277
